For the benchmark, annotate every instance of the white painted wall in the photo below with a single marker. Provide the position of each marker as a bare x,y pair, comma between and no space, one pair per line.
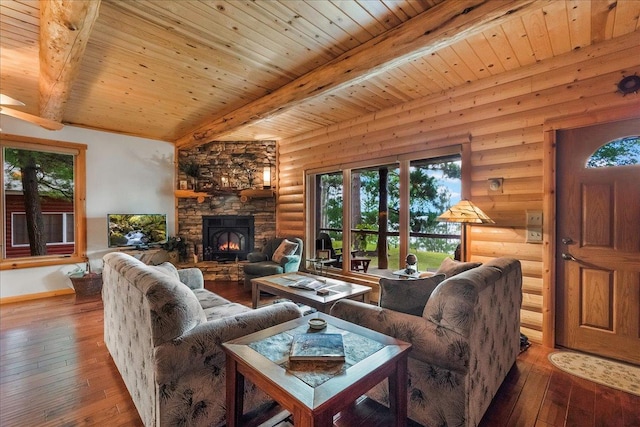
124,175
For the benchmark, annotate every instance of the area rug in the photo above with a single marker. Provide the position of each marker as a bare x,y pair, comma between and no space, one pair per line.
616,375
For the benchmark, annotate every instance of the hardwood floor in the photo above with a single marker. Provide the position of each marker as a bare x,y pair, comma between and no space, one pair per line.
56,371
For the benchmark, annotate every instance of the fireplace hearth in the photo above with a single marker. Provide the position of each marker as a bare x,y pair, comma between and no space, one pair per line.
227,237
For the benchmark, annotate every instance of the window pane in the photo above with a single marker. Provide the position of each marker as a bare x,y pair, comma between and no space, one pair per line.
329,211
39,185
620,152
70,229
53,227
435,186
375,197
19,229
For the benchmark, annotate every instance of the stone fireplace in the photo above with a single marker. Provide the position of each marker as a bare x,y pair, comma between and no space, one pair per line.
241,164
227,237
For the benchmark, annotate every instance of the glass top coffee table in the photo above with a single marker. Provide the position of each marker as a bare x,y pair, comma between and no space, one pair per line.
282,286
313,392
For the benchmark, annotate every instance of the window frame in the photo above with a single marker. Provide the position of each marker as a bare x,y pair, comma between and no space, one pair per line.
403,161
79,202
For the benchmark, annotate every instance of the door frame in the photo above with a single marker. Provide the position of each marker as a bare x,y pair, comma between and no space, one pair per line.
549,187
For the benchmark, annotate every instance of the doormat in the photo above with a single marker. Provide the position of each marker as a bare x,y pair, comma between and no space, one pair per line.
621,376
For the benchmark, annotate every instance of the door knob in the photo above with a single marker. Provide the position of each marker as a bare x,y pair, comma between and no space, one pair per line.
569,257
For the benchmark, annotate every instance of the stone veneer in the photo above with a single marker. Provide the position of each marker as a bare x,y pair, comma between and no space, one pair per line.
242,163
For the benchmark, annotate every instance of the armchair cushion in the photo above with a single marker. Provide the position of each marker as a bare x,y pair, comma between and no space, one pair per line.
407,296
450,267
285,248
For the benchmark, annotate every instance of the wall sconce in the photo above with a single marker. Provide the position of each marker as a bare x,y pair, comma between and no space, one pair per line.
495,185
266,177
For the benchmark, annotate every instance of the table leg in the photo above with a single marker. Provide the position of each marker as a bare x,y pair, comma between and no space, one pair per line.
304,419
366,298
398,392
255,294
235,395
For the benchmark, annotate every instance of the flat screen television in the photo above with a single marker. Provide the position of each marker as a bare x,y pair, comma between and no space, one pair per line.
137,230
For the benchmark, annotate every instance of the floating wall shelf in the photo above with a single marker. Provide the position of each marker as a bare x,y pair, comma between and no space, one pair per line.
245,195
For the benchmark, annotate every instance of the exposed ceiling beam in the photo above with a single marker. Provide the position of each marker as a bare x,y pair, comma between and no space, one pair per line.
438,27
65,27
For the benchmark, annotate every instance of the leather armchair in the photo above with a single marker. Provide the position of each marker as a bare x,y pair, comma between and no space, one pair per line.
261,264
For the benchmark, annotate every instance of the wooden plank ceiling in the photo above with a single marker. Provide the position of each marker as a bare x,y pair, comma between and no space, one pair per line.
195,71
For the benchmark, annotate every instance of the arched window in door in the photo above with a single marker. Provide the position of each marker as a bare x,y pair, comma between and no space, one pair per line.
619,152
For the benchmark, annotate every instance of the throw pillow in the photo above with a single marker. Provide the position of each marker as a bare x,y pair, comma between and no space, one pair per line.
168,269
406,295
286,248
450,267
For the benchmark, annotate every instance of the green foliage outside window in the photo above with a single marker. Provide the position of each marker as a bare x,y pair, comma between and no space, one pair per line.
621,152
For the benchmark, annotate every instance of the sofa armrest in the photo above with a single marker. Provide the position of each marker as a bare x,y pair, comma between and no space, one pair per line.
257,257
199,349
430,343
192,277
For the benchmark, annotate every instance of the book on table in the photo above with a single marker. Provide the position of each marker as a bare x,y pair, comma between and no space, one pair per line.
317,347
308,284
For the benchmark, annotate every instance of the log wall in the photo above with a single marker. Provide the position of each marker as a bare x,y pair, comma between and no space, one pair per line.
505,117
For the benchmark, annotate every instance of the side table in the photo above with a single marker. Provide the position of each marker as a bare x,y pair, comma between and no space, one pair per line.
322,263
315,393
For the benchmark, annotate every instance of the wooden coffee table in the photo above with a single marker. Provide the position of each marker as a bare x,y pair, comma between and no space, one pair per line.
314,393
279,285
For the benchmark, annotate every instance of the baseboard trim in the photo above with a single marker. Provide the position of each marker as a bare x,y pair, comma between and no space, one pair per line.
29,297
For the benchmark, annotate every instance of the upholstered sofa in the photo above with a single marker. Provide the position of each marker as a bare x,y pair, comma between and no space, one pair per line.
164,332
465,341
262,263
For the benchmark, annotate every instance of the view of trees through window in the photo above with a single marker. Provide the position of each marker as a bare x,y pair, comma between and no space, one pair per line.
434,185
39,198
621,152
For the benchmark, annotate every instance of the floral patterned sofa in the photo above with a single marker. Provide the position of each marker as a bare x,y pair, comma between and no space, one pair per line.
164,331
465,340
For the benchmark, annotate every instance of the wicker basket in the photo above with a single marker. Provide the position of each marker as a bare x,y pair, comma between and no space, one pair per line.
87,287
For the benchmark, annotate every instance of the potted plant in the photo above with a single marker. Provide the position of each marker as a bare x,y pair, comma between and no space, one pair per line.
192,170
176,247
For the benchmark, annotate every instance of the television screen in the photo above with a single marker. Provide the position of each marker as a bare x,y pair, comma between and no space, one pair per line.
139,230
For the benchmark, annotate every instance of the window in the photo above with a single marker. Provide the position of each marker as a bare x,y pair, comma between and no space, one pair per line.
388,209
43,196
58,228
619,152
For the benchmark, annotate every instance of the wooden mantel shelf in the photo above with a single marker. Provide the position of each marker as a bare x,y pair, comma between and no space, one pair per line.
191,194
245,195
250,193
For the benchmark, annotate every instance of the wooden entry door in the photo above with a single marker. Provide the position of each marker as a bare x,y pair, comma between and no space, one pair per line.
598,246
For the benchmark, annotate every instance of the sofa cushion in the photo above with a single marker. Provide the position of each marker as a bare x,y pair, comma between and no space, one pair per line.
225,310
285,248
208,299
407,296
168,269
174,309
450,267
